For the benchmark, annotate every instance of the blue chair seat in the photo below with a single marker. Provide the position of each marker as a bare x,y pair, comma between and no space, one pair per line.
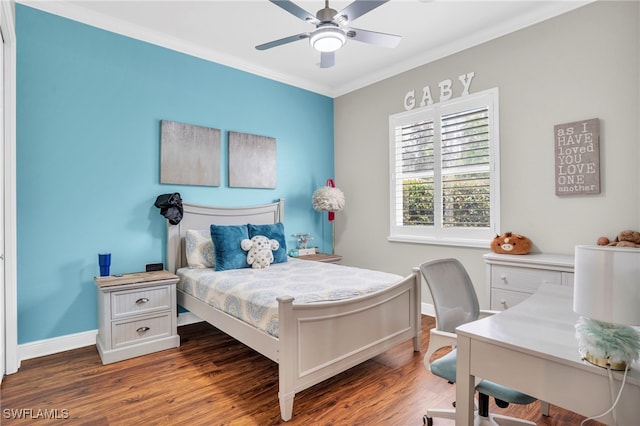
445,367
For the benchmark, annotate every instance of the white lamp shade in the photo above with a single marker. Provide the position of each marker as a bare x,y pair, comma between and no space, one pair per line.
607,284
328,199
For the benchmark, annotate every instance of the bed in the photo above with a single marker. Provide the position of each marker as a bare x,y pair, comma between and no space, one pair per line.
313,341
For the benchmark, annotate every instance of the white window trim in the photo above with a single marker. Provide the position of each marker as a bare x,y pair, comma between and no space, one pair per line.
465,237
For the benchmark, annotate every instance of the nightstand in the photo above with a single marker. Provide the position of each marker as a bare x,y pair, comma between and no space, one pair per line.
137,315
322,257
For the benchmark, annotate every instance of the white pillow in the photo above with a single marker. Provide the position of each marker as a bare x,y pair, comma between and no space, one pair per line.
199,248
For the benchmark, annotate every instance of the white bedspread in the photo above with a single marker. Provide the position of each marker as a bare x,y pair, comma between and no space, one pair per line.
250,294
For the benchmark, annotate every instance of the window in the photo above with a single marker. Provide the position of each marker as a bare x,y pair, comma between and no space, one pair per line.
444,163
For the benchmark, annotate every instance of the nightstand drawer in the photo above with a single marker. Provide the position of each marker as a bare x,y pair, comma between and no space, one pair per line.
140,301
522,279
136,331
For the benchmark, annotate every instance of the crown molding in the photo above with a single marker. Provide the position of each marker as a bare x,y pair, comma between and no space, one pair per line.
75,11
551,10
85,16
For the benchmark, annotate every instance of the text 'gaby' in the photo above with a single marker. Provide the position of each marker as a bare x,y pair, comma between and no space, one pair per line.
446,92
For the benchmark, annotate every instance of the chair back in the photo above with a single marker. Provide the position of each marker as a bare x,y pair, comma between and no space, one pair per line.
454,298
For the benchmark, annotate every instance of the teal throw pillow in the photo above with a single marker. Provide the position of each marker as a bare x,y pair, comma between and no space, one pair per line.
273,232
226,246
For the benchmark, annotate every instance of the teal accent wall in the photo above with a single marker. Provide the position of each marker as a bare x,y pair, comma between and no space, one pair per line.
89,105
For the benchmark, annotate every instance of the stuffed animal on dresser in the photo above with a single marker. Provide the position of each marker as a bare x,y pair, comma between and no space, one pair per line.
511,243
626,238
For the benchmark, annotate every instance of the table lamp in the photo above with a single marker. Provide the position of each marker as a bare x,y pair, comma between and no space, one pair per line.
606,295
329,199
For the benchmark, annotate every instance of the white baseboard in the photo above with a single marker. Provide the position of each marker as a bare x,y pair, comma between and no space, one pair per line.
56,344
186,318
74,341
427,309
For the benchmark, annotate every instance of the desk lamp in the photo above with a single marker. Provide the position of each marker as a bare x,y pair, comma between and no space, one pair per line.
606,295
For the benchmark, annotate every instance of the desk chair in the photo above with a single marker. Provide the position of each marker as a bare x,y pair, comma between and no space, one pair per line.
456,303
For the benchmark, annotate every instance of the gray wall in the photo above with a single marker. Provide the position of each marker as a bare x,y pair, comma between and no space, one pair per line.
580,65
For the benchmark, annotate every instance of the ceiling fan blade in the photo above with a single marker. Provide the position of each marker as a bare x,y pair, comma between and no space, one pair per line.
296,10
327,59
372,37
282,41
359,8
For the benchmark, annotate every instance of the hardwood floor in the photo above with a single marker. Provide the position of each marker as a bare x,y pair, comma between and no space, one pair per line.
213,380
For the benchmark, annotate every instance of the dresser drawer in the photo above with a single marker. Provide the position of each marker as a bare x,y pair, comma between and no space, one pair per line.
522,279
140,301
567,279
141,329
505,299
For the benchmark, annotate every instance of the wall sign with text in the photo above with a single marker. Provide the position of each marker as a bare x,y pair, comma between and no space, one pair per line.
577,151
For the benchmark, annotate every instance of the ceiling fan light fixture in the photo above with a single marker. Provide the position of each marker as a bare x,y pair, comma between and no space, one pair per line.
327,39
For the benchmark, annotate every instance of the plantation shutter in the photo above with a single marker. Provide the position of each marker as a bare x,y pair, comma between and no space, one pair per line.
465,169
415,157
445,172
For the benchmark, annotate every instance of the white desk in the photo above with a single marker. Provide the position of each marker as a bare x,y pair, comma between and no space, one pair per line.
532,348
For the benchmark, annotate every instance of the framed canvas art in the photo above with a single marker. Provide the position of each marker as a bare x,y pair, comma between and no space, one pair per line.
189,154
577,157
252,161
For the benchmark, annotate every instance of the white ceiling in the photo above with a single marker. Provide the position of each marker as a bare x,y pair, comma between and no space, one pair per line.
227,32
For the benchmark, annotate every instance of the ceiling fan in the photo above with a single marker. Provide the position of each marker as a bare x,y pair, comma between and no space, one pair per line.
332,28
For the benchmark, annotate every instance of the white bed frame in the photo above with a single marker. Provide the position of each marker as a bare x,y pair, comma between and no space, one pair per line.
316,341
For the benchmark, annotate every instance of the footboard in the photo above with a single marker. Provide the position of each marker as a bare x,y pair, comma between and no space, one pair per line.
320,340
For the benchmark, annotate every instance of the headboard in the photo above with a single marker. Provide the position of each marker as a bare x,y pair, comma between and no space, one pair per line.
201,217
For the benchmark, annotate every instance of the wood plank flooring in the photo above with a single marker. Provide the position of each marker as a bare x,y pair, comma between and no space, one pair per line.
212,379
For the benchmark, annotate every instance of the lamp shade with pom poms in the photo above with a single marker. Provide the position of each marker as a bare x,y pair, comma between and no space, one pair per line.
328,199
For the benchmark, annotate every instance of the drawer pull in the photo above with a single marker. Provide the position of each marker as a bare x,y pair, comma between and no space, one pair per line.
503,303
141,301
142,329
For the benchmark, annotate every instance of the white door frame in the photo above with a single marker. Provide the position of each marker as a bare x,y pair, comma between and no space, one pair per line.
10,320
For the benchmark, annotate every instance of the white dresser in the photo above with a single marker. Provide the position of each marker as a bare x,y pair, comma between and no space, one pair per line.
512,278
137,315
